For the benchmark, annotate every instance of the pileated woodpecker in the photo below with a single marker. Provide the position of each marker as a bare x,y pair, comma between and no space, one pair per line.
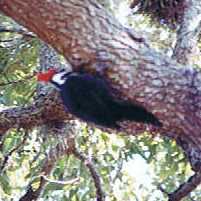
88,97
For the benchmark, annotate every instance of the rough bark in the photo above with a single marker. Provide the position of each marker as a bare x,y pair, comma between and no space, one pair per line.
90,38
186,50
42,111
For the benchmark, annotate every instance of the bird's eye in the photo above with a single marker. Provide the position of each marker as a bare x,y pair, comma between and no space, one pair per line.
62,70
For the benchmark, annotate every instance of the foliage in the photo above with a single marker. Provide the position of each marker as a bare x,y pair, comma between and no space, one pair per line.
162,11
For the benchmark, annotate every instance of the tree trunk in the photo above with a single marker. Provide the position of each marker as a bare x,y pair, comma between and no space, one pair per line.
91,39
186,50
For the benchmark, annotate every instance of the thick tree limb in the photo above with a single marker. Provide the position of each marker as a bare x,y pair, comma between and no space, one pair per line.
91,39
186,49
139,73
34,115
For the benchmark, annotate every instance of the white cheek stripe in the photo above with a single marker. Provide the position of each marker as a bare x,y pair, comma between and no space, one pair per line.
57,78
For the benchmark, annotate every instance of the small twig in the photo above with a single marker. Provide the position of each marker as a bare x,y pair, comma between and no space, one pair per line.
99,191
38,154
6,41
34,194
186,187
18,31
2,141
191,199
17,81
119,169
7,156
162,189
31,194
61,149
69,182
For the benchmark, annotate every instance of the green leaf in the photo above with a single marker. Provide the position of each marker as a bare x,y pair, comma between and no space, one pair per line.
5,183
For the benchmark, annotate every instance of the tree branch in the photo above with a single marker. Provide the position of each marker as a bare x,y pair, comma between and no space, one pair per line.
39,113
25,79
64,147
186,187
18,31
186,49
6,157
96,178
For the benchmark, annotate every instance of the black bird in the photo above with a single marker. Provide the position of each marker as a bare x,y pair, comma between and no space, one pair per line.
88,97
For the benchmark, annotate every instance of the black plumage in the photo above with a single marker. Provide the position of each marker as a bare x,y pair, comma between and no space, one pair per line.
88,97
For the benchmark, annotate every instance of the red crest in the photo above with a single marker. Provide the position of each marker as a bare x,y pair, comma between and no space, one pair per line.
46,76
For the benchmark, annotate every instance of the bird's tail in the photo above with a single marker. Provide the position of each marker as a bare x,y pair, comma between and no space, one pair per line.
128,111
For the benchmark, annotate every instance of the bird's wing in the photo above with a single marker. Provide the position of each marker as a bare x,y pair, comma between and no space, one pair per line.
88,98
